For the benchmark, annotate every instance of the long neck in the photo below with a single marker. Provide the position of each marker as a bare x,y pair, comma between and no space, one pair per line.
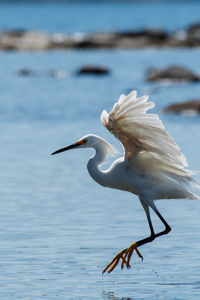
94,163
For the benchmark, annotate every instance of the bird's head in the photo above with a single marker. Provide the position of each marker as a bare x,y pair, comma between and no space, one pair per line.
90,141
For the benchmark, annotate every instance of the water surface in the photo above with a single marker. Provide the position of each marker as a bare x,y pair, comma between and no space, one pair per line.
59,228
89,16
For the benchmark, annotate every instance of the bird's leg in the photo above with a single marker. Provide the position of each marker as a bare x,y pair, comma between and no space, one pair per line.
126,254
167,227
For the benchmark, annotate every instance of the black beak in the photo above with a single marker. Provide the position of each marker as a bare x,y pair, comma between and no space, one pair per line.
66,148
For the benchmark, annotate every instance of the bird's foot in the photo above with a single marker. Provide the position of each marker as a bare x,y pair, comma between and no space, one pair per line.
111,266
128,253
125,255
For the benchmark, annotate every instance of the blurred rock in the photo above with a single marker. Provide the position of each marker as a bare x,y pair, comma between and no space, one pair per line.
25,72
153,34
15,33
172,74
61,41
94,70
188,108
124,39
177,39
97,40
20,39
24,40
193,35
55,73
60,74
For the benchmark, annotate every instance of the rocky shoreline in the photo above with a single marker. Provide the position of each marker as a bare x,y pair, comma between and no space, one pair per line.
150,37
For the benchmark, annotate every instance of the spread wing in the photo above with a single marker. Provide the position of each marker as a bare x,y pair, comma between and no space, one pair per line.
144,133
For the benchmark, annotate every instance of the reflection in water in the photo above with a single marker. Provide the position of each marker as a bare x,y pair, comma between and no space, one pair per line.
111,296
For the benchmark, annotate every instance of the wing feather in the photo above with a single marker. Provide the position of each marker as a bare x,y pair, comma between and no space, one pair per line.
141,132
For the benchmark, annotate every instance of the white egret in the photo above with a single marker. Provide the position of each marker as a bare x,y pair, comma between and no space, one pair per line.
152,167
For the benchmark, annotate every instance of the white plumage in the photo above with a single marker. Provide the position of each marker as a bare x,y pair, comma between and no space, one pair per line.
138,131
152,167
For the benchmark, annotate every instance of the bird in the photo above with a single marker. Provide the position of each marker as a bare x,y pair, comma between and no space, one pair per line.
152,166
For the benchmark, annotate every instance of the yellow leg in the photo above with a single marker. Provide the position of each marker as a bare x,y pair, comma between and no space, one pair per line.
125,255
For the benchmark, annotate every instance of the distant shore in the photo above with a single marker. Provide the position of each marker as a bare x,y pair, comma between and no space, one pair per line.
150,37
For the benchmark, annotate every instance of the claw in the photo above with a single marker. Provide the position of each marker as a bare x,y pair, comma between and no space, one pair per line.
114,265
128,255
114,262
139,254
125,255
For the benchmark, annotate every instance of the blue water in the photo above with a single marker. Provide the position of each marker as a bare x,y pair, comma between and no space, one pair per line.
88,16
59,228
